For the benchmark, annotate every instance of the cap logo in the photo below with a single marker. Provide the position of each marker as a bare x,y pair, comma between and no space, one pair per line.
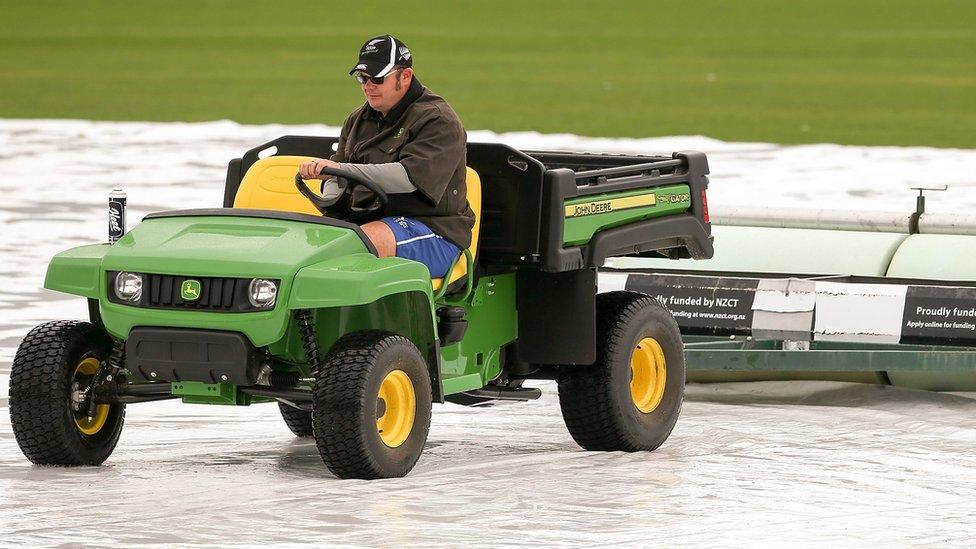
404,53
370,46
360,67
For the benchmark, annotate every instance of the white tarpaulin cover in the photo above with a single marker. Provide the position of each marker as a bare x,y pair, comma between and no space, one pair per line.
799,463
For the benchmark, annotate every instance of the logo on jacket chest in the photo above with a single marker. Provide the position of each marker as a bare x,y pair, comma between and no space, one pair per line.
365,149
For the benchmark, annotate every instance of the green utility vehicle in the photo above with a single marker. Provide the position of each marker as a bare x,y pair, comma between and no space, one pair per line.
269,300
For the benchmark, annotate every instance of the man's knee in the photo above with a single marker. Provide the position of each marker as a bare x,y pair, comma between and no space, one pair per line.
381,235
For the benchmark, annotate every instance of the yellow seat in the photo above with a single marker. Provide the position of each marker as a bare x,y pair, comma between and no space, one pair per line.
269,184
473,182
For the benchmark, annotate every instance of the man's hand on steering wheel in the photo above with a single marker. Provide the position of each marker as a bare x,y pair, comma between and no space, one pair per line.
339,206
312,168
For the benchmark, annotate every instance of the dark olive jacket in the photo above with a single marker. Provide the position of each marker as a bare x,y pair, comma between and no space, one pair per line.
422,133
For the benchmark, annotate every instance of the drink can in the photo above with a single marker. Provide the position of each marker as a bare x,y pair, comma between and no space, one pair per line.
116,215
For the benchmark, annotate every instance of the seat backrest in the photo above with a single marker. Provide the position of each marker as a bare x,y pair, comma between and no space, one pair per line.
473,183
269,184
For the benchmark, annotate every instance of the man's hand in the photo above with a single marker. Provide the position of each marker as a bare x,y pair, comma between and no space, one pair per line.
311,169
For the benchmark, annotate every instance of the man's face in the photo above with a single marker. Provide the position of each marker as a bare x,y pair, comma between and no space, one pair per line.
385,96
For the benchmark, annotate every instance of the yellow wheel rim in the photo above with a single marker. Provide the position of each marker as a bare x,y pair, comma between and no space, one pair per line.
649,375
90,425
396,408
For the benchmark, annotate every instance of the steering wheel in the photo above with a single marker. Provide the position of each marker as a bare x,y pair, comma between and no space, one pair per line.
342,207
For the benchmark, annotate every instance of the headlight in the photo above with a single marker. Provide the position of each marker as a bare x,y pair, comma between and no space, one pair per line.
128,286
262,293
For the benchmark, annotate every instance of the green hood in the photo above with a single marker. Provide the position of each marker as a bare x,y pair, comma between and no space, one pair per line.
229,246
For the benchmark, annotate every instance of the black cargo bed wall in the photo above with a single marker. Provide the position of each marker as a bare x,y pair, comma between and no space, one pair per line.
511,193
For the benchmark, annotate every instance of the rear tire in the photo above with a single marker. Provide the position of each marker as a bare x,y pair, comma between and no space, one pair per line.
630,398
371,406
298,420
55,360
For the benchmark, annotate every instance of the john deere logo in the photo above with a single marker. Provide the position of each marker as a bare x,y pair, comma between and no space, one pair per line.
190,290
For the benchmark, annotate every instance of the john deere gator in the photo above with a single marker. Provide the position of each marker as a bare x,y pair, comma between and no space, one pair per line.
267,300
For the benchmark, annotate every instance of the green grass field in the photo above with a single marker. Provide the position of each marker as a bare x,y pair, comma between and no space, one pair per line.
892,72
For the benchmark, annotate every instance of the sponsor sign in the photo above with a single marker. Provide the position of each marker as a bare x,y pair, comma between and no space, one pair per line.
939,313
842,311
702,304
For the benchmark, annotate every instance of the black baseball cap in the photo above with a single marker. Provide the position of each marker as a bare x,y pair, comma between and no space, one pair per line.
379,55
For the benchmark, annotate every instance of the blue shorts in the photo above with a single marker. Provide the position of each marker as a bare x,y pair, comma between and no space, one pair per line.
416,241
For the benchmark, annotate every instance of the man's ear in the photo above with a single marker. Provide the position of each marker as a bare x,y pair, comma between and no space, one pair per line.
407,74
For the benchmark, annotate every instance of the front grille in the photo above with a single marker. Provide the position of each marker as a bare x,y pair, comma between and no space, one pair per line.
216,293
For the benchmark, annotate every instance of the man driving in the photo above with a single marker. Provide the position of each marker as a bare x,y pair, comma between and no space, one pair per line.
410,142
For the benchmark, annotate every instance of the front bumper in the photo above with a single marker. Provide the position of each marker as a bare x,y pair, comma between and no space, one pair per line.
207,356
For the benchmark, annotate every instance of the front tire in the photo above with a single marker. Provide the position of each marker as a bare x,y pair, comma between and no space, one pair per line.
371,406
50,384
630,398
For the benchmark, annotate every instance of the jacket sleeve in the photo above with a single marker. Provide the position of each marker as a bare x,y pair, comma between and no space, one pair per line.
390,177
432,155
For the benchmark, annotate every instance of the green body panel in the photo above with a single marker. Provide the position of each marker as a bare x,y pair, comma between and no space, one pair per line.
262,328
711,353
726,376
360,292
468,364
194,392
459,384
492,324
356,279
76,271
926,367
409,314
579,229
793,251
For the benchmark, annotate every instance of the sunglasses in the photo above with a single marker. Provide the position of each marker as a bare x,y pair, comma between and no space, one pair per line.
362,77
